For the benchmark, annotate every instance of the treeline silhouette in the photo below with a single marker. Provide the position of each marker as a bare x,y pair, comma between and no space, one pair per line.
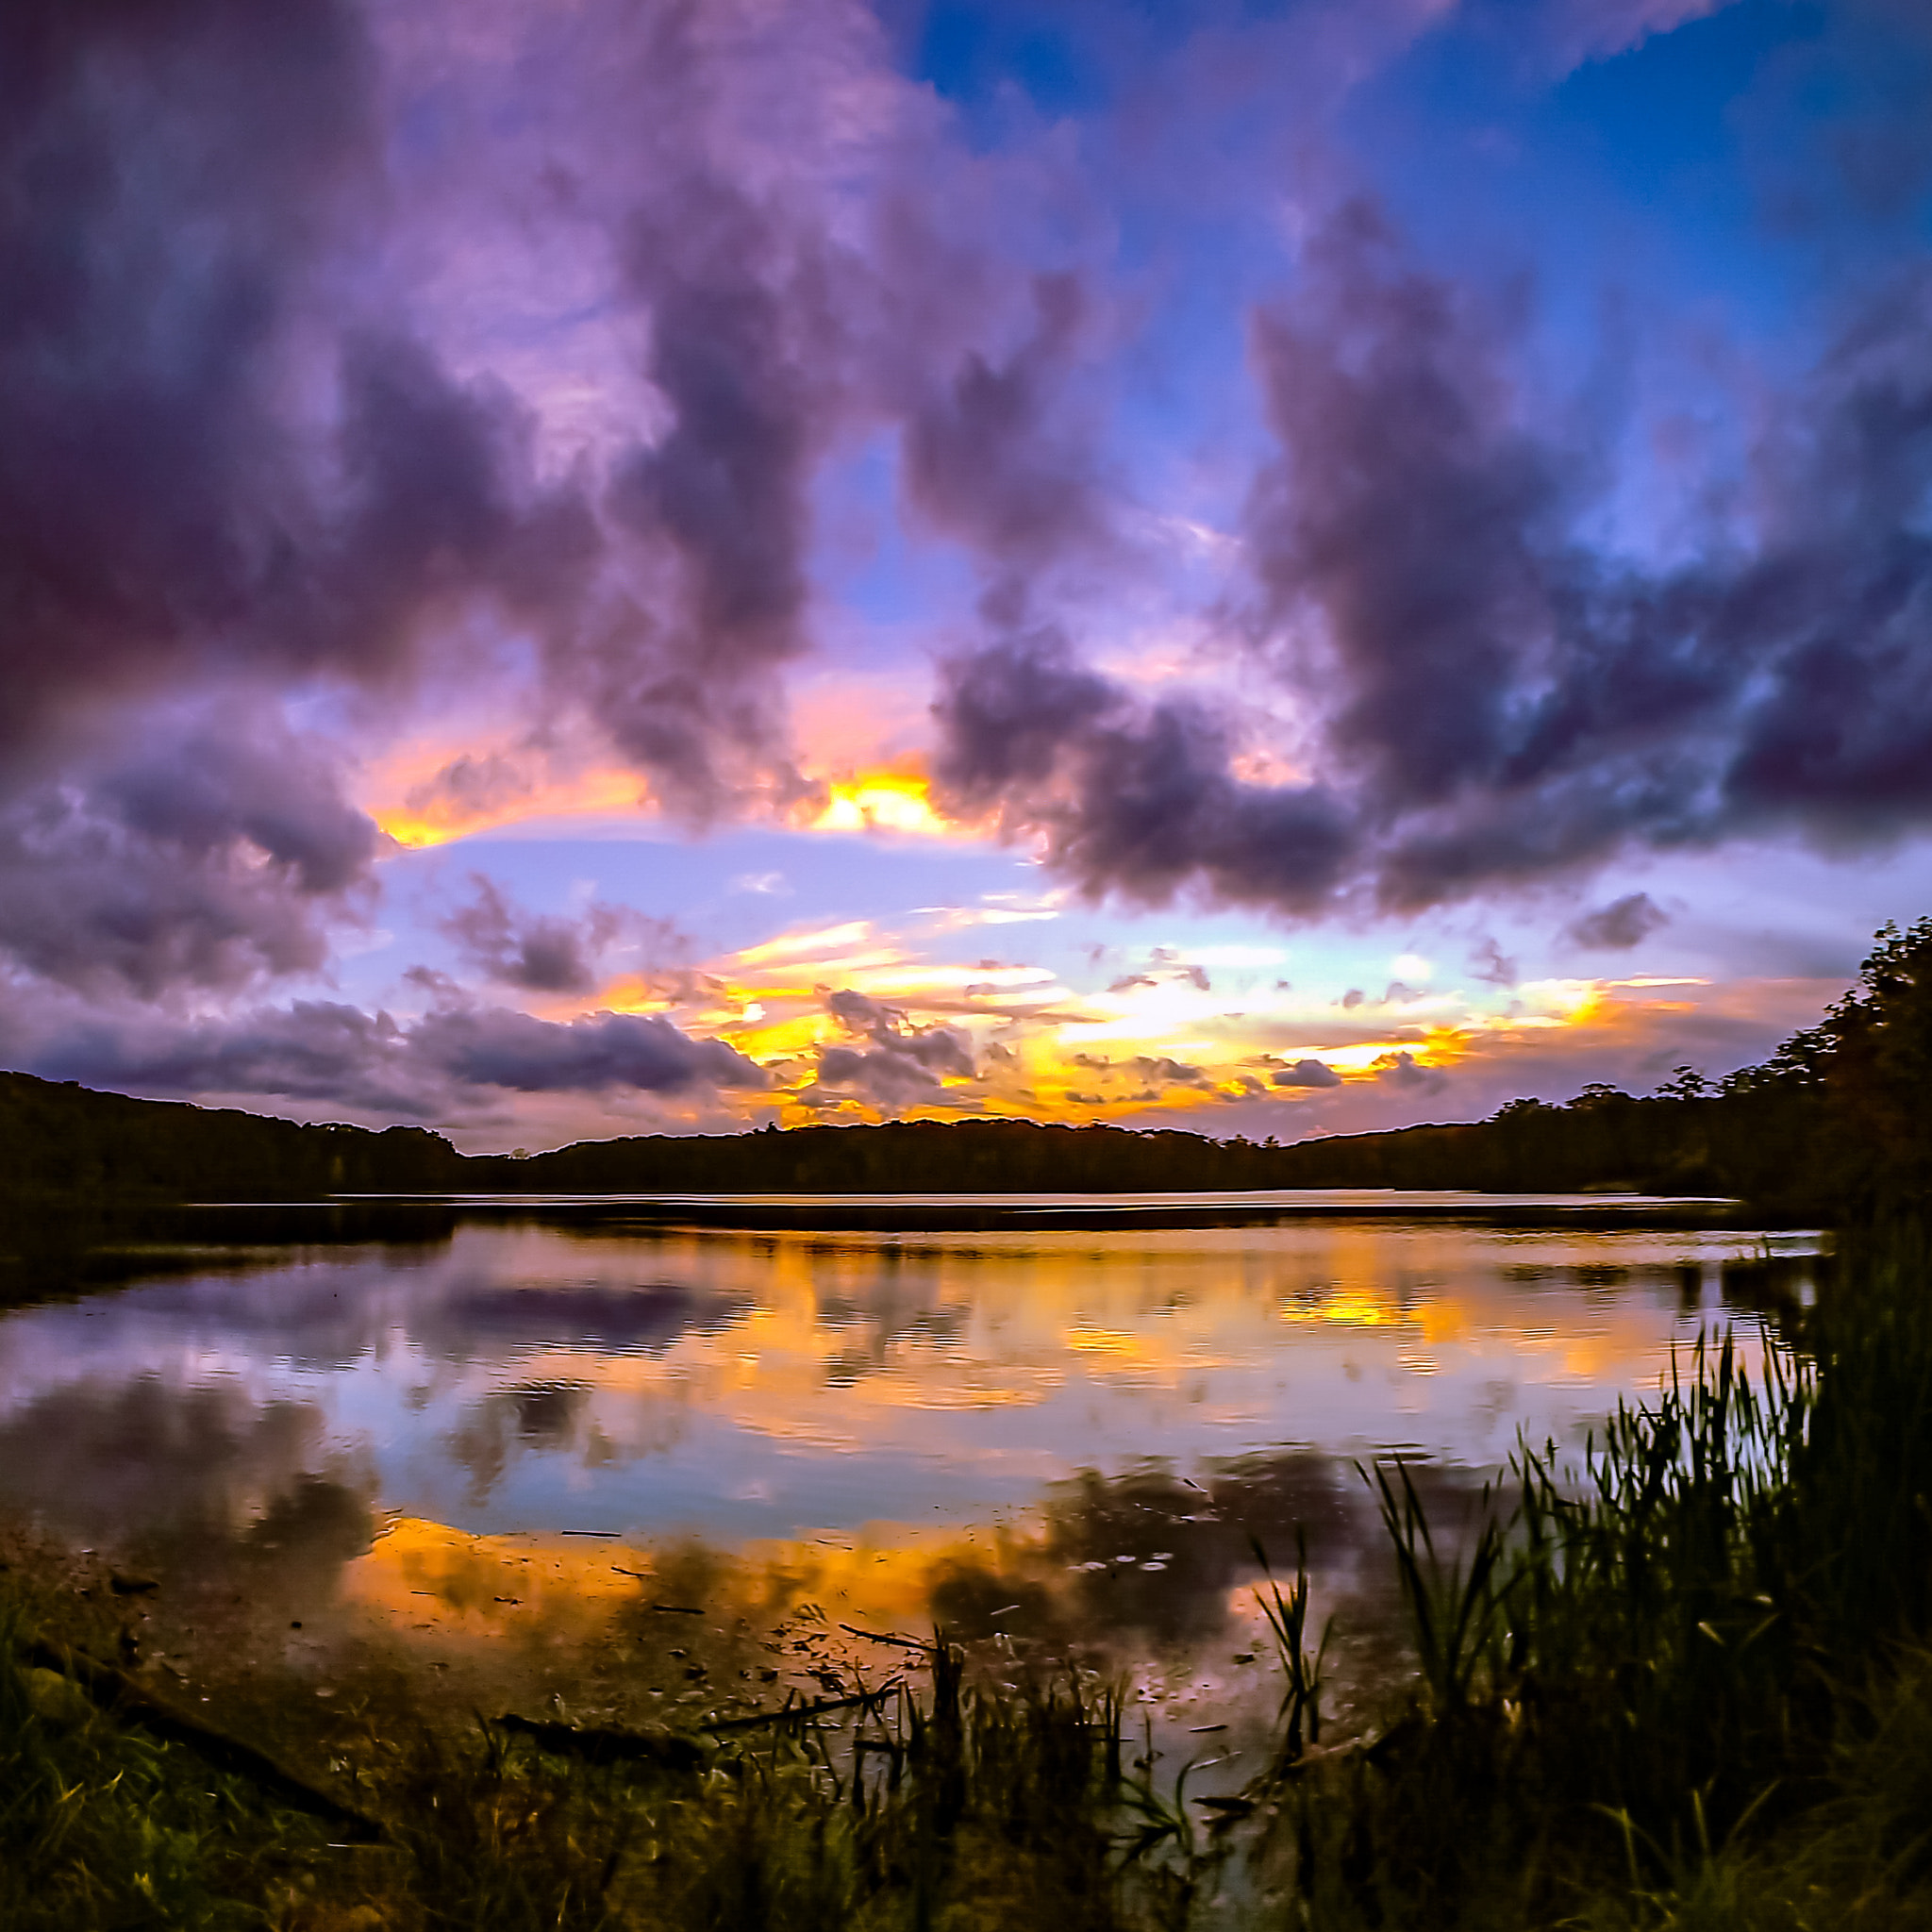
63,1140
1833,1120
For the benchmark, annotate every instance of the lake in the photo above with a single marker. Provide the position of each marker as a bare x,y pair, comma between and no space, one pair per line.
645,1460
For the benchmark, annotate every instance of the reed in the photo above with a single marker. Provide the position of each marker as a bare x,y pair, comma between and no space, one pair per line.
1287,1617
1648,1674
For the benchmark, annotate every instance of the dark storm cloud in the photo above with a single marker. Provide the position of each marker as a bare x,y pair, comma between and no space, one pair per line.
1134,796
1493,966
229,451
738,361
1513,704
232,450
208,477
216,851
165,171
1623,923
324,1051
987,455
491,1046
1405,513
312,1050
936,1049
435,510
744,348
766,187
1166,1072
1488,700
1402,1070
205,465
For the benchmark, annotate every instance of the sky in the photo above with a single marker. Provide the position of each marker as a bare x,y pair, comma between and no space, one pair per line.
1277,567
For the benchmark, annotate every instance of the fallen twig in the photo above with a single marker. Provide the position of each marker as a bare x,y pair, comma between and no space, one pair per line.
599,1745
818,1707
673,1750
880,1636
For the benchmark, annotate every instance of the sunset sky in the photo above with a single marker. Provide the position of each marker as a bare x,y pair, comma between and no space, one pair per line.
575,567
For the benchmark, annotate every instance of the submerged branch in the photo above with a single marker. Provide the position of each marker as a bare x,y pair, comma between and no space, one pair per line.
120,1696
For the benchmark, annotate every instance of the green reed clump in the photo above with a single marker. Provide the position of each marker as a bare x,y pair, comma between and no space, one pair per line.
1855,1506
1454,1605
1287,1617
1643,1681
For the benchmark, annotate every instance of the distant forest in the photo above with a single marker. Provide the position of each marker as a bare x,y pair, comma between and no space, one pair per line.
1837,1117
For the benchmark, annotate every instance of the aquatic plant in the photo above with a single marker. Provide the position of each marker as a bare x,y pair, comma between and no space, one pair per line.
1287,1617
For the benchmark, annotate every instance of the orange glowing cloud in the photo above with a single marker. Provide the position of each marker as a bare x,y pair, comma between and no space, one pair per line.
1157,1044
432,794
1196,1035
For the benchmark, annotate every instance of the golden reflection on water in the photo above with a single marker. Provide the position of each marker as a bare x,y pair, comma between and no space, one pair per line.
1066,1436
849,1343
427,1576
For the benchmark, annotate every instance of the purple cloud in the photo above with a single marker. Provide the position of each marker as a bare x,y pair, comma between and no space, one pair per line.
1160,1070
235,445
1623,923
991,456
1491,702
492,1046
1134,796
1403,1071
1308,1073
218,851
897,1064
422,1070
540,952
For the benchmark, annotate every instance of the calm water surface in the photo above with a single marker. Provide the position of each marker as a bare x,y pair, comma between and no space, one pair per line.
638,1464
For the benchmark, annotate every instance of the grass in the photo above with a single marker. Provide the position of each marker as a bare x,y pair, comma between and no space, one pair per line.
1684,1683
101,1828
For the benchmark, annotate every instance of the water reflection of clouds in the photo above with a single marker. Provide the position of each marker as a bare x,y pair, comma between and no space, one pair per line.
99,1455
739,1387
221,1493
